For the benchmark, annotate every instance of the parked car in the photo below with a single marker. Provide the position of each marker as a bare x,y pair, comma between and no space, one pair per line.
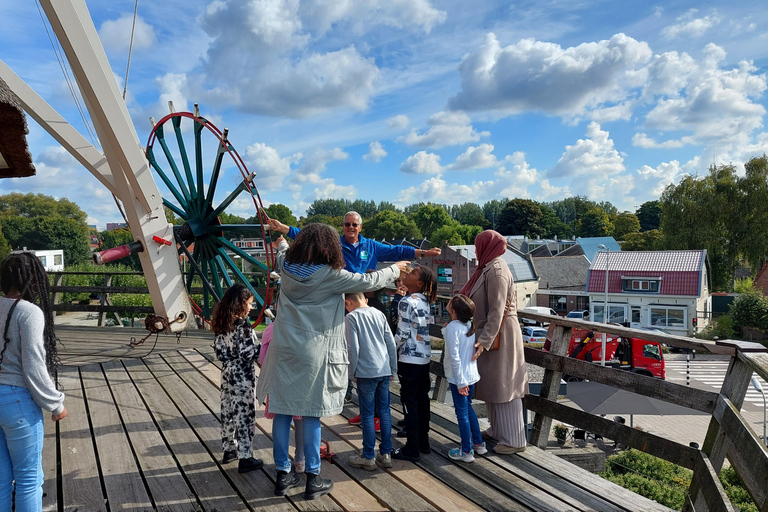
580,314
539,310
534,334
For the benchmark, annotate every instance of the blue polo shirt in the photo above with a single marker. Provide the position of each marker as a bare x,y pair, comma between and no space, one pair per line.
367,254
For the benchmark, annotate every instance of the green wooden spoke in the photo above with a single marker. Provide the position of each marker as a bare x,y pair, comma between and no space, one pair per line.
215,176
200,192
232,247
243,280
184,158
175,209
172,162
220,262
226,202
166,180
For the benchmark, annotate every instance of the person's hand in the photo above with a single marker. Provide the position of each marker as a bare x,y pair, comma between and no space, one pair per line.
478,352
403,267
435,251
275,243
464,391
354,379
276,225
60,416
391,377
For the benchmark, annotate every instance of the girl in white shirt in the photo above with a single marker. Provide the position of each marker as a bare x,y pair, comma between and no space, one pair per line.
462,375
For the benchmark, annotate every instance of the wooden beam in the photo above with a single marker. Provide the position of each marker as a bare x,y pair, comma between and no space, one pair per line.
550,385
713,492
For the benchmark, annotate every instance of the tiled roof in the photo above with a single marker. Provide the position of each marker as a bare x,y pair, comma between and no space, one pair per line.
521,267
15,158
562,272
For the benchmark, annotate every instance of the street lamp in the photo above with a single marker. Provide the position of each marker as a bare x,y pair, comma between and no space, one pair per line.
605,301
759,389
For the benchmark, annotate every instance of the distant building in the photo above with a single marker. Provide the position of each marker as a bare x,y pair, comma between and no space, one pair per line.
116,225
562,283
52,260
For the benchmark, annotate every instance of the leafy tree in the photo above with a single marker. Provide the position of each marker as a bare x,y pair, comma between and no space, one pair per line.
608,207
572,209
595,223
390,224
750,309
492,212
386,205
116,238
643,241
429,217
753,212
649,215
553,226
624,223
39,205
448,234
329,207
366,209
57,232
16,229
522,217
411,209
336,222
171,217
468,233
282,213
469,214
5,247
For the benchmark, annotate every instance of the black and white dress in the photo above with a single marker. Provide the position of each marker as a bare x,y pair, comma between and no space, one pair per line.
238,351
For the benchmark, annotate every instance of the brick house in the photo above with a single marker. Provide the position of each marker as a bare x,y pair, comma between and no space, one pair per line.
652,289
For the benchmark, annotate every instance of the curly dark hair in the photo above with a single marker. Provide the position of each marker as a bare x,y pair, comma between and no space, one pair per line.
231,307
317,244
465,311
23,271
428,284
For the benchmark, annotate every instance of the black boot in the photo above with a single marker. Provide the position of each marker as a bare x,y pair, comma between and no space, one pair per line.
286,481
249,464
317,486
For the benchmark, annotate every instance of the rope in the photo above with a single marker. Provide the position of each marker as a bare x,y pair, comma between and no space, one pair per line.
130,48
150,323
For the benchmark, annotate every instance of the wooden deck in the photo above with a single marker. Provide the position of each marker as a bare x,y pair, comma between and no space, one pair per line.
143,434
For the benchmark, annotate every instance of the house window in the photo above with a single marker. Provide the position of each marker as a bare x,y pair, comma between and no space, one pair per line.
57,259
558,302
42,260
668,317
640,285
582,303
616,314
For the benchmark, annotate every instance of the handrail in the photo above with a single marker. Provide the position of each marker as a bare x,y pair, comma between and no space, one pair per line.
729,434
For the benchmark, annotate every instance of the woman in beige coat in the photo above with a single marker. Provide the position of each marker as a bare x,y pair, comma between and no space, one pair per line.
503,377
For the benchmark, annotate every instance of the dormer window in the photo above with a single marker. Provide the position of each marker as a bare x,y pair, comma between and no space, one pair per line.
640,284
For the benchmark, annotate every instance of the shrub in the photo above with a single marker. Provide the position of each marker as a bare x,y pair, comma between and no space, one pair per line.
750,309
721,328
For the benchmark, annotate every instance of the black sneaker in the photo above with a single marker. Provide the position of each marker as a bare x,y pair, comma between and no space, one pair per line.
404,454
402,432
229,456
317,486
400,423
286,481
249,464
426,450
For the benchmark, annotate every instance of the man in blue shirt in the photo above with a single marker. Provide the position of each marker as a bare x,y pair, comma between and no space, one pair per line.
362,254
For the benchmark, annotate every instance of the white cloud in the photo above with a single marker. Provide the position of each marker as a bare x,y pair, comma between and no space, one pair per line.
447,129
644,141
362,15
437,190
515,176
115,35
314,164
173,87
398,122
541,76
375,152
594,157
421,163
479,157
271,169
690,26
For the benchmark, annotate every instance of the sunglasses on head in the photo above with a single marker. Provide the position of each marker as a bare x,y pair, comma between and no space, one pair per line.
351,224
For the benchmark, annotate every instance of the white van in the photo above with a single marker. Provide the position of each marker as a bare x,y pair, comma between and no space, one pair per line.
539,310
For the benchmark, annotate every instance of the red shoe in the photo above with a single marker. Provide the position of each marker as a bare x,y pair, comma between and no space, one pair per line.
355,420
377,424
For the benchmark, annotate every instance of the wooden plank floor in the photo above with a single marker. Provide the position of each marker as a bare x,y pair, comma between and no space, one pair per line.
143,434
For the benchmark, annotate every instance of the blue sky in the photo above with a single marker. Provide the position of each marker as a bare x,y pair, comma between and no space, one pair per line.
425,100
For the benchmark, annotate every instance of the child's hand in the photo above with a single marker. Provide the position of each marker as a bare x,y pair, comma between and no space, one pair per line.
478,352
464,391
403,267
354,379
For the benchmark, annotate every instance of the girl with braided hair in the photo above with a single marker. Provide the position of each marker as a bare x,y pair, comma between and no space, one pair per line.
27,364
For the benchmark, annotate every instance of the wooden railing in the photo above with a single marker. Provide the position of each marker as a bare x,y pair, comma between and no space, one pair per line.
729,434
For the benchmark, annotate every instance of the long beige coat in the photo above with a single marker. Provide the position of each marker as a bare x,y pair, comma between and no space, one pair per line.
503,376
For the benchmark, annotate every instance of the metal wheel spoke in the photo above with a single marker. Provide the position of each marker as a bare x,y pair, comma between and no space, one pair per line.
232,247
223,269
240,276
172,162
175,209
200,192
184,158
213,266
226,202
168,183
215,175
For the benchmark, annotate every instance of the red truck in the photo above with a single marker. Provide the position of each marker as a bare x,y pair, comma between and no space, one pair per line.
631,354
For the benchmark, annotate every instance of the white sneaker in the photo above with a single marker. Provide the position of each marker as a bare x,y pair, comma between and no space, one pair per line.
480,449
457,454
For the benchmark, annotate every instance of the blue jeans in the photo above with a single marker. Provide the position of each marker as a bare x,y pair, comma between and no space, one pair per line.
281,438
374,394
465,415
21,449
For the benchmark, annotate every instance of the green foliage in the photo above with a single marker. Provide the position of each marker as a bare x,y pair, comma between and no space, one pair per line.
171,217
329,207
97,279
649,215
131,299
492,212
595,222
5,247
571,209
448,234
116,238
336,222
750,309
522,217
644,241
469,214
429,217
624,223
743,285
282,213
390,224
58,232
560,431
720,328
667,483
366,209
386,205
39,205
553,226
468,233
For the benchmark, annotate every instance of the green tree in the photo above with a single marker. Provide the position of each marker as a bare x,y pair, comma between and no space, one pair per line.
429,217
336,222
390,224
448,234
572,209
522,217
468,233
16,230
624,223
643,241
171,217
5,247
329,207
649,215
386,205
366,209
595,223
492,212
39,205
553,226
282,213
750,309
116,238
753,212
469,214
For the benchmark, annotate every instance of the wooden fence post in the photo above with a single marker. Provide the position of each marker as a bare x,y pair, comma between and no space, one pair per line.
57,280
550,386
